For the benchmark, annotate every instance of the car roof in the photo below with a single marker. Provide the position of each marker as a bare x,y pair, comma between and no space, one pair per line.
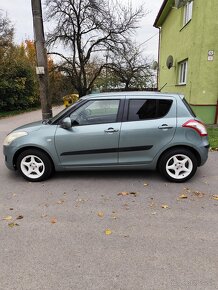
132,94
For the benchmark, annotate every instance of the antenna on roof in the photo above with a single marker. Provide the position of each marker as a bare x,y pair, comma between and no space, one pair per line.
162,87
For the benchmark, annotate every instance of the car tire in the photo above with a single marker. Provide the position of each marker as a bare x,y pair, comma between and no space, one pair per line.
34,165
178,165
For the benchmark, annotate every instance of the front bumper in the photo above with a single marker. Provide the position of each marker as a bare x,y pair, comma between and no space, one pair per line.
9,152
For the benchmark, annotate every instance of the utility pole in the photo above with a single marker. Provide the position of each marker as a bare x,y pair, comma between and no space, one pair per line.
42,62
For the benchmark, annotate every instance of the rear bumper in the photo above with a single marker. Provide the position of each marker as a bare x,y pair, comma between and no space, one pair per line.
203,151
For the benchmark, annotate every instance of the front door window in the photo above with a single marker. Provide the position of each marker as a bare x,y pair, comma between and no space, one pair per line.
96,112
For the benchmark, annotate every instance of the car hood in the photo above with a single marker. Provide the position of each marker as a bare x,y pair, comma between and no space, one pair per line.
30,127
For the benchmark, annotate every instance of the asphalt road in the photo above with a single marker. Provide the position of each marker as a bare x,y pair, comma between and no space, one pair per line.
60,240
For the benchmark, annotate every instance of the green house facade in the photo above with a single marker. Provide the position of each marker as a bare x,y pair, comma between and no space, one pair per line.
188,53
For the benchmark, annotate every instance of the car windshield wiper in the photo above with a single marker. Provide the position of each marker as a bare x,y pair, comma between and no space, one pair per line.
47,121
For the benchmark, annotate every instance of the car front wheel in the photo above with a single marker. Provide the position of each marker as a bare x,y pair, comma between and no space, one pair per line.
178,165
34,165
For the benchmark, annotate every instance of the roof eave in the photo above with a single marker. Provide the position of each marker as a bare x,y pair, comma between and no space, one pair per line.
163,12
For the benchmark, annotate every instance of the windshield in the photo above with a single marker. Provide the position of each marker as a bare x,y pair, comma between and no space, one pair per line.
56,117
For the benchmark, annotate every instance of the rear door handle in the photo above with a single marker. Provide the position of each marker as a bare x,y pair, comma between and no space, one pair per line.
165,126
111,130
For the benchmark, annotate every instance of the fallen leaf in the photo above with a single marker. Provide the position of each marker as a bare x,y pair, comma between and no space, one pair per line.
145,184
100,214
20,217
53,220
81,200
11,225
134,193
215,197
7,218
165,206
114,215
108,232
213,149
60,201
123,193
198,193
183,196
43,215
205,182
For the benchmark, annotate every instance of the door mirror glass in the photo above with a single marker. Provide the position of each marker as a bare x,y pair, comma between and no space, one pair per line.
66,123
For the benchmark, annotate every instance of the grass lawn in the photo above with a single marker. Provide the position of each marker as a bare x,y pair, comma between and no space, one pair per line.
213,136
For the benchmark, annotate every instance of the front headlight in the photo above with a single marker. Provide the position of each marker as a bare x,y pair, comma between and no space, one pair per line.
12,136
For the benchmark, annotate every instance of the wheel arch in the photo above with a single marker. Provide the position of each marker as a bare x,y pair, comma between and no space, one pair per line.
27,148
191,149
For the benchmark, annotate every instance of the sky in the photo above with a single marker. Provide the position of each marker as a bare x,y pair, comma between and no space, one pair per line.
20,14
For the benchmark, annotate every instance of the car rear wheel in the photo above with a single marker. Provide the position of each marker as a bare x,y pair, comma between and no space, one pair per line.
34,165
178,165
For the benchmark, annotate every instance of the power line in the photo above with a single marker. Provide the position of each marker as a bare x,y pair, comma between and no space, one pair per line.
147,40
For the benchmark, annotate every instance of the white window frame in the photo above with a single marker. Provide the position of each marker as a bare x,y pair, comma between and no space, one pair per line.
183,71
188,9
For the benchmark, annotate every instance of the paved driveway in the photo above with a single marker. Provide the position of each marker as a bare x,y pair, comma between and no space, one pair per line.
60,240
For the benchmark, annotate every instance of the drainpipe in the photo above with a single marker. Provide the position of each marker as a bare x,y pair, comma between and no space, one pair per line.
216,116
158,69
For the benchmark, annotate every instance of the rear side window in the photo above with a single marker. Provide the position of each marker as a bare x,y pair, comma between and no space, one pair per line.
188,107
146,109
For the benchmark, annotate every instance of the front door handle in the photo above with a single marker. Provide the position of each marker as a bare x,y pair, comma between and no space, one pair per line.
165,126
111,130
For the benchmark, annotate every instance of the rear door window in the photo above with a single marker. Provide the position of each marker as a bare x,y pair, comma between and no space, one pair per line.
147,109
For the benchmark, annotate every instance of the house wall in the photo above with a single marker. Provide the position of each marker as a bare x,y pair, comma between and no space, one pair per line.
192,42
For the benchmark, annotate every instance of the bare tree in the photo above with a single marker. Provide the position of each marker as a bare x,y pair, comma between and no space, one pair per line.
6,31
130,67
86,28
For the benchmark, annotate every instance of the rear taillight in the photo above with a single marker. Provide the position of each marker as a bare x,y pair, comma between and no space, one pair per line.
197,126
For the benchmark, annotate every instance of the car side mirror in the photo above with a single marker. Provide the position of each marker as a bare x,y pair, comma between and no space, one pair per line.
66,123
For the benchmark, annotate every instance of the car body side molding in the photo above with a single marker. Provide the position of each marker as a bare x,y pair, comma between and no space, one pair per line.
108,150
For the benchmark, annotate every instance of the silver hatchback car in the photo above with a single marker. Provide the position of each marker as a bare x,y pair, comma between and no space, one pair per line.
126,130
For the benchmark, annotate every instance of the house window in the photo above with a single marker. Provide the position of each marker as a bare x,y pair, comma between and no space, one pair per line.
188,12
183,69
